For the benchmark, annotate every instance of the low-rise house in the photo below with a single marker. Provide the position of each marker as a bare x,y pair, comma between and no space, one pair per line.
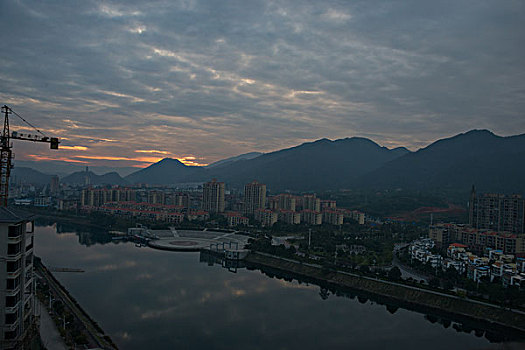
266,217
456,264
236,219
200,215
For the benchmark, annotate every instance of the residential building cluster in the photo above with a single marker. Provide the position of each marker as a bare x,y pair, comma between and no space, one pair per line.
285,207
307,209
494,265
173,205
152,212
421,250
477,240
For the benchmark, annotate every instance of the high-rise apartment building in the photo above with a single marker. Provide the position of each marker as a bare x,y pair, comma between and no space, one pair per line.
311,217
254,197
95,197
54,185
213,196
289,217
311,202
477,240
283,201
179,199
328,204
17,286
266,217
156,197
333,217
497,212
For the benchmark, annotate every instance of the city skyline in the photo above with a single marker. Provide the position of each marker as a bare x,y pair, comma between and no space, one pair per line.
127,84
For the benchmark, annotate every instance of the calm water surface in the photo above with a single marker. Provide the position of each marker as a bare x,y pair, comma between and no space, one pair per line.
150,299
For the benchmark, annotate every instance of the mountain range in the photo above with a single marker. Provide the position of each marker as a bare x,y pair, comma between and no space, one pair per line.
478,157
491,162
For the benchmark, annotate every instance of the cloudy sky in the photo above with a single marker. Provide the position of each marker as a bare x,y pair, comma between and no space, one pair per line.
126,83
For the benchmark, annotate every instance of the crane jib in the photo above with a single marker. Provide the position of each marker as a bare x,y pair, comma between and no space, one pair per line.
6,153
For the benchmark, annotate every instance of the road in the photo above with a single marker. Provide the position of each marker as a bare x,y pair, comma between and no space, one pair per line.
48,330
406,272
95,337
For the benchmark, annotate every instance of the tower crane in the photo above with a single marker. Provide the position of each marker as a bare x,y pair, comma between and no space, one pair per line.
6,155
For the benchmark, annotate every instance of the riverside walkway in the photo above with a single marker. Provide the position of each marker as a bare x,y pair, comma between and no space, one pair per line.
48,330
96,337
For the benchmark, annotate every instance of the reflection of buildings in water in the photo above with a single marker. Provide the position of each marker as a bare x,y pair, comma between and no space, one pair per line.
211,259
460,324
84,238
91,238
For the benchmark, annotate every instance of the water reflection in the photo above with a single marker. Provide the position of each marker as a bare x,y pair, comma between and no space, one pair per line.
87,233
146,298
479,328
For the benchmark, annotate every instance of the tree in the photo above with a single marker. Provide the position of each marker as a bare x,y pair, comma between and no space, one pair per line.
434,282
448,285
394,273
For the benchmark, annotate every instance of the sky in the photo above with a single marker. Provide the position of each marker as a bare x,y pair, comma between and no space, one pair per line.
127,83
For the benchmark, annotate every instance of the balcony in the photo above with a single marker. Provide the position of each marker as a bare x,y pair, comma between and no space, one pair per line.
14,234
13,240
11,335
13,308
29,249
14,271
14,251
10,292
12,326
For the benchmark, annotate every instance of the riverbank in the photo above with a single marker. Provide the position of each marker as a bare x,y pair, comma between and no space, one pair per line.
405,296
94,334
72,218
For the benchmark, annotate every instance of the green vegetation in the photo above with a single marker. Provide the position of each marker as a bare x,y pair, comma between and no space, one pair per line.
390,203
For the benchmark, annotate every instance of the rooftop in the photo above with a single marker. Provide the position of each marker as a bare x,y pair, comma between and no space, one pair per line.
12,215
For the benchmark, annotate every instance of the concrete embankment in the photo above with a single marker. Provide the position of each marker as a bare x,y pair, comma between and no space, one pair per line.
405,296
96,334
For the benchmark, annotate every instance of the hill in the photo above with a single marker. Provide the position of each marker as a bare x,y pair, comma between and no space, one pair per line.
29,176
167,171
319,165
227,161
491,162
79,178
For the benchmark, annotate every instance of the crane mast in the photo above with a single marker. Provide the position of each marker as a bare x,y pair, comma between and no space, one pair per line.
6,154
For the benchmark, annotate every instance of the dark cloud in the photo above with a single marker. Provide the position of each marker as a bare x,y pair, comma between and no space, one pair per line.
213,79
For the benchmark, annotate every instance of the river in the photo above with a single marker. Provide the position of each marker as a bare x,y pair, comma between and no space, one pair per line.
150,299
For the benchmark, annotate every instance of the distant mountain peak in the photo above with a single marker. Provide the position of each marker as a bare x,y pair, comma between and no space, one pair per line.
479,132
165,171
169,160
